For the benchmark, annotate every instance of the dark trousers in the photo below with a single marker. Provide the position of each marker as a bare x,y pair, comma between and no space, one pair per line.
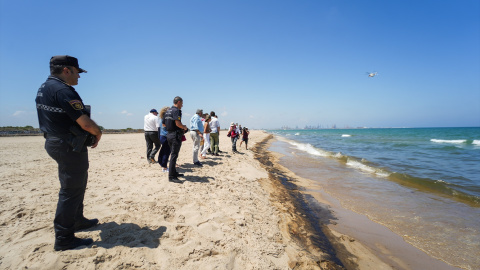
234,143
151,137
175,142
164,152
73,176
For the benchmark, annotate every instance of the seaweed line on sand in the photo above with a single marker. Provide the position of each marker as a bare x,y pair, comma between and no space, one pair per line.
302,224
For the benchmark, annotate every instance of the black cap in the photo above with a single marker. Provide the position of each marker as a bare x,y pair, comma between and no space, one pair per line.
65,60
153,110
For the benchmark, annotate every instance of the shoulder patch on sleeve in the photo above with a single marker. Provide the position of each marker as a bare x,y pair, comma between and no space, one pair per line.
76,104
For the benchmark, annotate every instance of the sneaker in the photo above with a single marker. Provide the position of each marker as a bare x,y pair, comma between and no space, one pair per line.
164,169
76,242
198,164
152,160
85,224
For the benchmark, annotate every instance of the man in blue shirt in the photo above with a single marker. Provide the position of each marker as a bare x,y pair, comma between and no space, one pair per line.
196,132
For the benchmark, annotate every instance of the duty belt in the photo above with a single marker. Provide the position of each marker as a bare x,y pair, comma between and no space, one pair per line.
57,136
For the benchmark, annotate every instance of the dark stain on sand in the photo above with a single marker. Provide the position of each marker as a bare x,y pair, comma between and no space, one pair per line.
308,219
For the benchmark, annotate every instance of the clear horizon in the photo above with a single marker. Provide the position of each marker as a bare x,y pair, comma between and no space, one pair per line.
262,64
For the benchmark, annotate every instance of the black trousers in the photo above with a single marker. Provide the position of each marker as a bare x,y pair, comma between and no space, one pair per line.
151,137
174,139
164,152
234,143
73,176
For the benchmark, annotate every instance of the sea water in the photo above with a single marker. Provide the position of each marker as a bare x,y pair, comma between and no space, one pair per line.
422,183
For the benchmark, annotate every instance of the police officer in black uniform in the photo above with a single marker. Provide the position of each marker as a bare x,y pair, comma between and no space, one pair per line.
68,130
175,130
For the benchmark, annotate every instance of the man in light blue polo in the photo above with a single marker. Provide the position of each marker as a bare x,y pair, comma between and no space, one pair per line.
196,133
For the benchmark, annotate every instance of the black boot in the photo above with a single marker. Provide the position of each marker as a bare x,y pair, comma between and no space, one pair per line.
84,224
76,242
175,180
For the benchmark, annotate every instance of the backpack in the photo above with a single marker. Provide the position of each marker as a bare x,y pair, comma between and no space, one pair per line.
233,133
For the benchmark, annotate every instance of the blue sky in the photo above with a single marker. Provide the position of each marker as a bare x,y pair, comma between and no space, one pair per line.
264,64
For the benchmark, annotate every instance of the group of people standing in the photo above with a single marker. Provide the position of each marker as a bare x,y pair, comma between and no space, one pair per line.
204,131
235,132
166,132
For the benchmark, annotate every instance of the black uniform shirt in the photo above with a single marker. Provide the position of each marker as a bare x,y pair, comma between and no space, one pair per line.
169,118
58,106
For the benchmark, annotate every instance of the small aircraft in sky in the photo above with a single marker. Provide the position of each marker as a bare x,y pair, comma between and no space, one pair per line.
372,74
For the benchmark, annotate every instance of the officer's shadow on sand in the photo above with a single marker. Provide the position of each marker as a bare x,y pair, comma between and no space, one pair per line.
190,167
129,235
198,179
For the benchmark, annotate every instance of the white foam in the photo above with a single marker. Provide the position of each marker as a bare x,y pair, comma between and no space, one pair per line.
476,142
306,147
312,150
448,141
360,166
365,168
383,174
346,135
296,134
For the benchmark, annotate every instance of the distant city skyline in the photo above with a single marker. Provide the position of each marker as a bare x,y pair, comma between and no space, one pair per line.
264,64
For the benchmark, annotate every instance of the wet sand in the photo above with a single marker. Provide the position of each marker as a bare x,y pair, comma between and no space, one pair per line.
356,241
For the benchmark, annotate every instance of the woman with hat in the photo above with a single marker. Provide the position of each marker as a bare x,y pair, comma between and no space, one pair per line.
233,134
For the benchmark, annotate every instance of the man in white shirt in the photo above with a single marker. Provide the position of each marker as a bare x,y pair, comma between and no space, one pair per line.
150,125
214,135
238,130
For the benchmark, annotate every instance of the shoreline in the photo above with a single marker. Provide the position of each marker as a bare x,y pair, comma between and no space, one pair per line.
295,223
360,243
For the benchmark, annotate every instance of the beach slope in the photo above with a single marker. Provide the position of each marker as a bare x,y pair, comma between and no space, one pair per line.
224,215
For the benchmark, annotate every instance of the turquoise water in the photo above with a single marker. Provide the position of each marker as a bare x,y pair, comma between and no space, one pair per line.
442,160
421,183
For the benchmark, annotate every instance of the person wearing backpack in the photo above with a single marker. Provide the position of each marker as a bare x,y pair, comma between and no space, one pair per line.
233,136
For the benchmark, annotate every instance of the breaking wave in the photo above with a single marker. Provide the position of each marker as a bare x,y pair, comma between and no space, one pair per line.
432,185
448,141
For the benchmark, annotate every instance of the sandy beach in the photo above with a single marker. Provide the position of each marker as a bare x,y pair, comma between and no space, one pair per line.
238,211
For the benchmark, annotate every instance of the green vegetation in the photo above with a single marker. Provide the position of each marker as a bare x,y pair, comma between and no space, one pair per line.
29,130
25,128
